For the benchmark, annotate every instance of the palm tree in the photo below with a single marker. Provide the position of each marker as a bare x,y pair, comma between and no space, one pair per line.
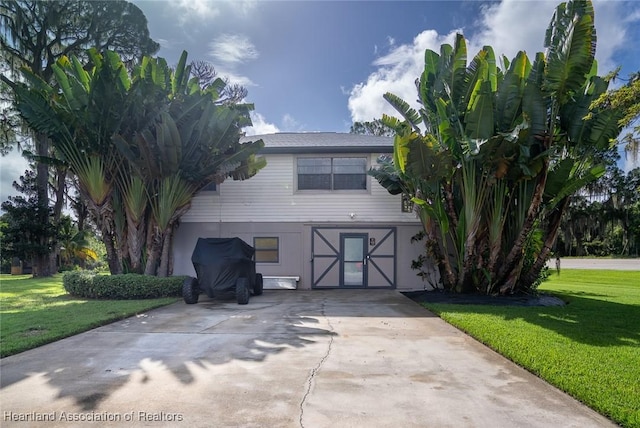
74,245
140,145
493,154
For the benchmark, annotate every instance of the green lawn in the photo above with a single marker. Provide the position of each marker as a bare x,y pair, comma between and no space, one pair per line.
589,348
38,311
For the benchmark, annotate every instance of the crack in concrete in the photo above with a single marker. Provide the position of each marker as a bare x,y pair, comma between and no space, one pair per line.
316,369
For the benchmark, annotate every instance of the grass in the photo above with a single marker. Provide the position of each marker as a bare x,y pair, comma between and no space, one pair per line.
589,348
36,311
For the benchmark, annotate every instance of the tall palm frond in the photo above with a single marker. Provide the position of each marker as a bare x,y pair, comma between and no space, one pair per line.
571,45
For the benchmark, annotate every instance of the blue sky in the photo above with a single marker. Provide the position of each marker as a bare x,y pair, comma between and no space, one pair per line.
319,66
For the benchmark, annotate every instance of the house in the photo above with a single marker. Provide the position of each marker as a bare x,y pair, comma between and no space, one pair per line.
312,213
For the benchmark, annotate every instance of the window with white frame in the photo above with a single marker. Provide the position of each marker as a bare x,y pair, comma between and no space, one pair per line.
332,173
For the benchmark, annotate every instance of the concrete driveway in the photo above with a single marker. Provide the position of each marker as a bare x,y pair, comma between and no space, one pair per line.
287,359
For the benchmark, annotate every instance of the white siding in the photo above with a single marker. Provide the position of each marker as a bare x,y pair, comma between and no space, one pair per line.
270,196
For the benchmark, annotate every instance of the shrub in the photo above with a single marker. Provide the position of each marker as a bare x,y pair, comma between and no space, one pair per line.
121,287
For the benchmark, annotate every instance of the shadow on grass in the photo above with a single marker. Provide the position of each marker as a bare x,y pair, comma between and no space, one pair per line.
584,319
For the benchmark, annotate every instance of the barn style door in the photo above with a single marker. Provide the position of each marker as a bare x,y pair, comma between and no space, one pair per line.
353,257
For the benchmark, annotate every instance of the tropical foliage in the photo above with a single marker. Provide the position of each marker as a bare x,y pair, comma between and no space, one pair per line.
75,246
21,231
493,154
604,219
36,34
375,127
140,145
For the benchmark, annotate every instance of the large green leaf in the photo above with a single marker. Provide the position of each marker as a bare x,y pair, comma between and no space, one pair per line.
571,44
92,174
604,128
401,150
427,80
492,69
409,114
134,197
510,93
557,178
479,123
388,175
576,182
35,108
476,72
458,72
172,193
180,75
63,83
534,104
573,114
447,136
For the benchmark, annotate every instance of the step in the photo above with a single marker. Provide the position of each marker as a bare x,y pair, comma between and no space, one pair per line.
280,282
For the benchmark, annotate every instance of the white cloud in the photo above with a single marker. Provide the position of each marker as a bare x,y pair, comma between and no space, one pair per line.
260,126
397,72
233,49
613,22
290,124
243,7
504,28
508,26
164,43
13,166
234,78
512,26
196,9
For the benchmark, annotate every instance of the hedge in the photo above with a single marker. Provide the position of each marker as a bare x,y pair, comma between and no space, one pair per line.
121,287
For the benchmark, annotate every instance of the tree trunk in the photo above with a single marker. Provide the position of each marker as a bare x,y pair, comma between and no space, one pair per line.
41,266
104,218
447,275
115,266
61,176
515,255
447,188
163,270
153,250
135,238
553,228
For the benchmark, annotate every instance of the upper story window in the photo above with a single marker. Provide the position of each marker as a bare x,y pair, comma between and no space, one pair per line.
211,187
332,173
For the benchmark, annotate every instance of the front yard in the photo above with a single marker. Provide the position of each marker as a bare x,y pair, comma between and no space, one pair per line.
589,348
34,312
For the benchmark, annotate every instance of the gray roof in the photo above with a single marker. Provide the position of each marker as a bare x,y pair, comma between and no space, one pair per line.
322,142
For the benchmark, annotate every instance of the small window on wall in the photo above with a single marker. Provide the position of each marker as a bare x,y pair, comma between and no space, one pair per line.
267,249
